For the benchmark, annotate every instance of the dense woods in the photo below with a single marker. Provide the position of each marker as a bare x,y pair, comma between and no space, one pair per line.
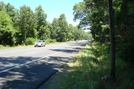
95,13
19,26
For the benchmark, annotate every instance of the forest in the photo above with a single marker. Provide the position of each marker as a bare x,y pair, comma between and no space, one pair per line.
95,13
25,26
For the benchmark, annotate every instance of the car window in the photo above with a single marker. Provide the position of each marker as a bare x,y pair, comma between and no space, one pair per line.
39,41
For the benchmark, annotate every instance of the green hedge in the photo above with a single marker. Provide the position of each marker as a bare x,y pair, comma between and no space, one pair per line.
30,41
48,41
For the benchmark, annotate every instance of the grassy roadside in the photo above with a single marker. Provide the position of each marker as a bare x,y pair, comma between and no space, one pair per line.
8,47
90,70
17,46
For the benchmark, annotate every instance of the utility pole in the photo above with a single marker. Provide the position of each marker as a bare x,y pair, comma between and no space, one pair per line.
112,40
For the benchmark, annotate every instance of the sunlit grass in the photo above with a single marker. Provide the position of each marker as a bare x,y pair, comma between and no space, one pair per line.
87,70
90,67
8,47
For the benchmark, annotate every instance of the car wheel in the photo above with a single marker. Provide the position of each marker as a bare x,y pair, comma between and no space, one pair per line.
41,45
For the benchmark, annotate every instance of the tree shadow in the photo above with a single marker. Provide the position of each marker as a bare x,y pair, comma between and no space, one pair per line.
68,50
31,75
9,62
78,44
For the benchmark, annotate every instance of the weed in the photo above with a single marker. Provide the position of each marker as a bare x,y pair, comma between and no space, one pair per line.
91,70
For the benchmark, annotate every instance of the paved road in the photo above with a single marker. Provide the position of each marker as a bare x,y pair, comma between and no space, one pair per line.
28,67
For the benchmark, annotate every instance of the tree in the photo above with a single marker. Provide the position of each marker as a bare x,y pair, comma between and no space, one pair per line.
6,29
94,13
55,27
27,23
62,31
2,5
10,10
42,24
124,19
70,32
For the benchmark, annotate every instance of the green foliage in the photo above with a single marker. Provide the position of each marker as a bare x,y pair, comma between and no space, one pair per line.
10,10
1,47
30,41
88,67
24,23
95,13
4,46
6,29
48,41
43,27
27,23
55,27
2,5
123,23
90,70
128,51
63,29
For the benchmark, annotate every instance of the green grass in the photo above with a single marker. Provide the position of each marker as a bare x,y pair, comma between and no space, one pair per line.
8,47
88,68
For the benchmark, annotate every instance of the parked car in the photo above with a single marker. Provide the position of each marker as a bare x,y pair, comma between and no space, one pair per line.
40,43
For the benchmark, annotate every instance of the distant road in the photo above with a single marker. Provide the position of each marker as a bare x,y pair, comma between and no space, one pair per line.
28,67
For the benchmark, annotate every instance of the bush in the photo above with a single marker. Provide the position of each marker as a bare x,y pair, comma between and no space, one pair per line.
50,41
126,52
30,41
1,46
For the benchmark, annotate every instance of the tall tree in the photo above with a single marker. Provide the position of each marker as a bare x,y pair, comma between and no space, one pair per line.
62,31
2,5
95,14
70,32
10,10
27,22
124,19
41,23
6,29
55,27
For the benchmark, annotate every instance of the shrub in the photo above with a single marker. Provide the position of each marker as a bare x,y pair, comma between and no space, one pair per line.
126,52
1,46
50,41
30,41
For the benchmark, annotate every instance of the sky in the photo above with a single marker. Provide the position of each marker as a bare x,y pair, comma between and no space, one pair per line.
53,8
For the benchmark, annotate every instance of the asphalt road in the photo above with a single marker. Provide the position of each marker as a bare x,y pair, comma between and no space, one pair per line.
28,67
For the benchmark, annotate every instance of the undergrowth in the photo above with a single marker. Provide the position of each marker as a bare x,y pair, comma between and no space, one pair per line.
91,70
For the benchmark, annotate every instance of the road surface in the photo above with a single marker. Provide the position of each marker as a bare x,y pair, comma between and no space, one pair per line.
28,67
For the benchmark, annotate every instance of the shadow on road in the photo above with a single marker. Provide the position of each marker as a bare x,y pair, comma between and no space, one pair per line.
31,75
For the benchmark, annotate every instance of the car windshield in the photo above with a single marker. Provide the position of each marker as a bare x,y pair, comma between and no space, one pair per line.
39,41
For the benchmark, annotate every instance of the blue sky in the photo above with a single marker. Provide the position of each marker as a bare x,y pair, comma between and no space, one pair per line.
53,8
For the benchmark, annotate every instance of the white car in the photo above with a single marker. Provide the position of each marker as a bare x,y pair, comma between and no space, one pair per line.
40,43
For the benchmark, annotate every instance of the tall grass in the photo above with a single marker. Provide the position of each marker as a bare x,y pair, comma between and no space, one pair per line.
88,68
91,66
